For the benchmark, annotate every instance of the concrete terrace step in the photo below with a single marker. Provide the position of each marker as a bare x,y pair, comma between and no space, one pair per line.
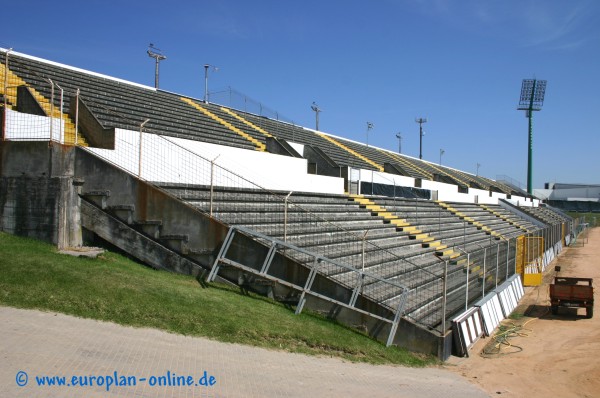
249,218
414,254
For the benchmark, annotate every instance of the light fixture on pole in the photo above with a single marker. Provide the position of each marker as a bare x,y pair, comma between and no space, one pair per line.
421,120
441,153
206,67
369,127
155,53
532,99
399,136
317,110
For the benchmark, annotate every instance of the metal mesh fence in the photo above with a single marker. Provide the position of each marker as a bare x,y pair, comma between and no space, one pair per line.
234,99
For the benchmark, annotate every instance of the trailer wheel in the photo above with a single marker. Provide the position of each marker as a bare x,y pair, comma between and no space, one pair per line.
589,312
554,309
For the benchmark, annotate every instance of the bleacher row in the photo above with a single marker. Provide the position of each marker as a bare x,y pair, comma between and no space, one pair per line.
125,105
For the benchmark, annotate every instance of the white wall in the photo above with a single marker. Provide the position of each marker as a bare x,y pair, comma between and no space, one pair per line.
23,126
178,160
523,201
446,192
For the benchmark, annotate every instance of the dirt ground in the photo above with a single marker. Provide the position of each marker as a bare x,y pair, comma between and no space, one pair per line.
551,355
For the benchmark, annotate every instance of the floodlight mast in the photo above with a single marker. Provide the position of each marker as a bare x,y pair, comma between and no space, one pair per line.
206,68
317,110
532,99
421,120
155,53
399,136
369,127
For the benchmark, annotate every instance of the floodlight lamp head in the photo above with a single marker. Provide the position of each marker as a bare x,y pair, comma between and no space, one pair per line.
155,53
208,67
532,95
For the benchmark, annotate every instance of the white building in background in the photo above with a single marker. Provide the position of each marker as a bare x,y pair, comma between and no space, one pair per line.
571,192
571,197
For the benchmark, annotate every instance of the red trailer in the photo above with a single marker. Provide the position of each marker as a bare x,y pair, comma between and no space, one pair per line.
572,293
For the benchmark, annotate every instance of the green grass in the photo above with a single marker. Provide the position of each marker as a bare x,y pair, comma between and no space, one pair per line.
114,288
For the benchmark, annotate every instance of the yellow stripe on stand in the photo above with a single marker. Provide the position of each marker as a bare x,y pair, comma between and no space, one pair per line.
259,145
358,155
15,81
247,122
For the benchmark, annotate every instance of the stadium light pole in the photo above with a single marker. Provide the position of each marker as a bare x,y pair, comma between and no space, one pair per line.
441,153
317,110
369,127
206,67
399,136
532,99
421,120
155,53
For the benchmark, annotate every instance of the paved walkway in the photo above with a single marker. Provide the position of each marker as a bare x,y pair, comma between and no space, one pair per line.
36,344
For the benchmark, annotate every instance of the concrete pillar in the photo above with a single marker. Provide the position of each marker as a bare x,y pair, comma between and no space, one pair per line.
39,196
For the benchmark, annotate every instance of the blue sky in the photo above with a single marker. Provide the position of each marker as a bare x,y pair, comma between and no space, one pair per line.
459,63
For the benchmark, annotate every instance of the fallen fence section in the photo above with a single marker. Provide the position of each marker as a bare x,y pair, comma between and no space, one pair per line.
315,264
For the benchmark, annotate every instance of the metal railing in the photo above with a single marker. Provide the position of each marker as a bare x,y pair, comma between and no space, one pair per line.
234,99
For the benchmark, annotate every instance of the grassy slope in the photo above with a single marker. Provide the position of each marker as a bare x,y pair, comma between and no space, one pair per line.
113,288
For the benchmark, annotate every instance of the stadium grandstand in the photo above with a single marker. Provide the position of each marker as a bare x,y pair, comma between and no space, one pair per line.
399,247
